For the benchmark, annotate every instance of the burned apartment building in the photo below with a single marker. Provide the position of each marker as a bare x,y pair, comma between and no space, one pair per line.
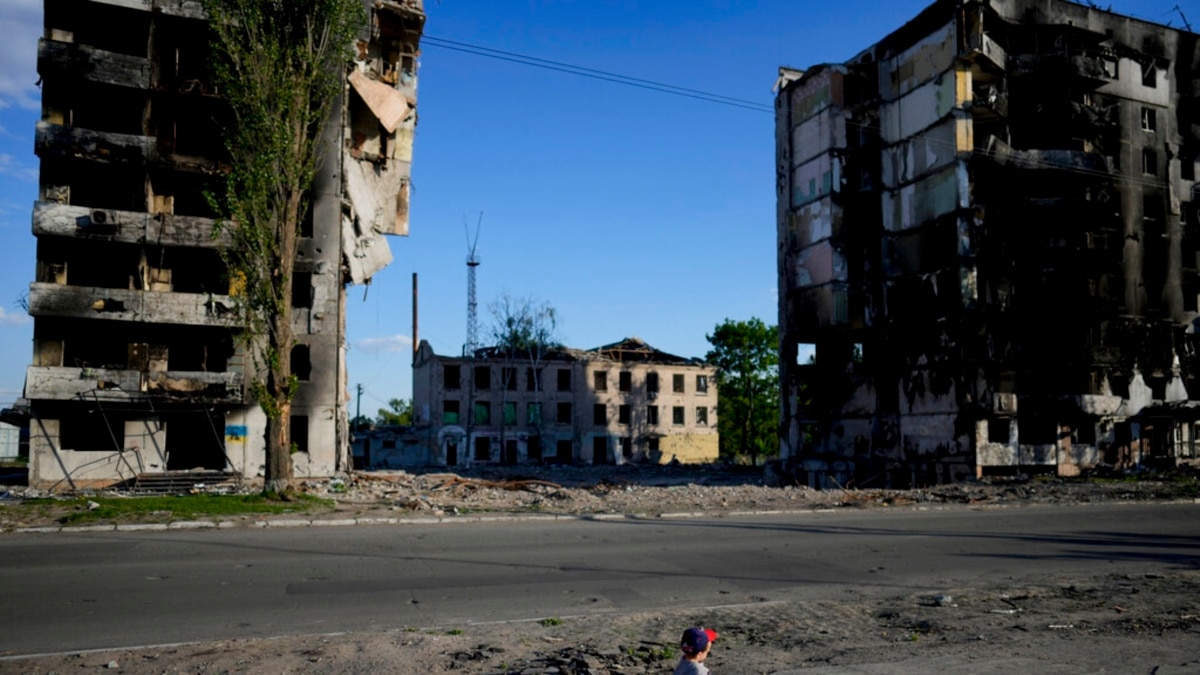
137,367
988,248
625,402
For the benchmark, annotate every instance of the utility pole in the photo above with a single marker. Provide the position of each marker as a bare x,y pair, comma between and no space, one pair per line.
358,407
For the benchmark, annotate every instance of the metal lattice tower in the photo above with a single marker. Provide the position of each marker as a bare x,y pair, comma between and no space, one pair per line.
472,263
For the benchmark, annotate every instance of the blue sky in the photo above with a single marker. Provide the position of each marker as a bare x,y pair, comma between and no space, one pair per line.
632,212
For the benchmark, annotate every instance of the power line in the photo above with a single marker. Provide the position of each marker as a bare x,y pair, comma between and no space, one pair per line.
606,76
653,85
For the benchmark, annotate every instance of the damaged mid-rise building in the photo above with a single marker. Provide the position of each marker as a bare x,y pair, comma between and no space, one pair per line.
137,367
621,403
989,248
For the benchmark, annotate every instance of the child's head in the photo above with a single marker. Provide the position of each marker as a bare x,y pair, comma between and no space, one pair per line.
696,642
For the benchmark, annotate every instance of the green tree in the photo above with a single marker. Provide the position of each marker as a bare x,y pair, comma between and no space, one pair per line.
525,327
398,413
278,64
746,356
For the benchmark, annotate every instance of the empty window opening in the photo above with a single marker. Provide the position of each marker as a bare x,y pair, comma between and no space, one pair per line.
627,447
677,415
677,383
483,449
600,450
652,448
701,384
483,378
533,448
564,379
999,430
306,223
110,29
600,380
193,440
533,379
92,431
1191,289
451,377
1038,431
563,413
302,290
192,353
75,106
1149,120
483,412
652,382
301,363
94,185
599,414
508,378
1149,74
701,416
298,432
98,351
623,414
449,411
1149,162
194,131
625,381
1085,433
563,451
806,353
652,414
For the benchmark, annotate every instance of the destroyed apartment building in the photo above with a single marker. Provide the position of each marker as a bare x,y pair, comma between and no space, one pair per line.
137,369
626,402
989,248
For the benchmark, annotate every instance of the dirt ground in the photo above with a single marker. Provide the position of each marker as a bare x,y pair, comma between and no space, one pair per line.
1093,622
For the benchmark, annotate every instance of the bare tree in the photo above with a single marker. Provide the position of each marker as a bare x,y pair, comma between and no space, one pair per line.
279,65
523,331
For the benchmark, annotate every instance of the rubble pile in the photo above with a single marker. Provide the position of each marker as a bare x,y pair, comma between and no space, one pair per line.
659,490
627,490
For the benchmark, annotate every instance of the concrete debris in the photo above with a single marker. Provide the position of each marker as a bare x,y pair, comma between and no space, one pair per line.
657,490
943,600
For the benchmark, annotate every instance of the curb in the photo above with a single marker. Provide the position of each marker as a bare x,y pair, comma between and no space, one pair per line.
498,518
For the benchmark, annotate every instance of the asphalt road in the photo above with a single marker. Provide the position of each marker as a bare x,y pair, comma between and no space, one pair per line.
77,591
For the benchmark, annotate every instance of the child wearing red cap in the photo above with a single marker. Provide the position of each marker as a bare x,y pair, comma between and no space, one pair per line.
695,644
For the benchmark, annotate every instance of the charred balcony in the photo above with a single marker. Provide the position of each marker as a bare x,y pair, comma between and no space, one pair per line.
103,384
128,227
115,361
59,141
67,61
997,153
191,309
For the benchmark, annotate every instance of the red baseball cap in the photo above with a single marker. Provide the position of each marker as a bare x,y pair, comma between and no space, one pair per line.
696,639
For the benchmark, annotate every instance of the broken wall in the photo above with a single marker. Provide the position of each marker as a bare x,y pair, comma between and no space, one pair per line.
1020,232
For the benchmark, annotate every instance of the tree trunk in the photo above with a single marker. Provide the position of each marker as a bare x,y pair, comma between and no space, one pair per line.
278,479
279,452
